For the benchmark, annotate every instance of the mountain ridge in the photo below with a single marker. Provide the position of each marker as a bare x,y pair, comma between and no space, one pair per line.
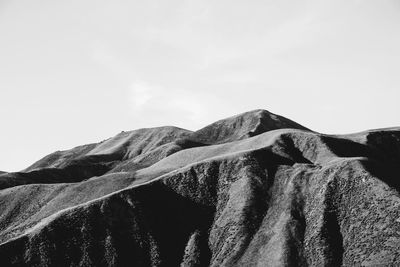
234,197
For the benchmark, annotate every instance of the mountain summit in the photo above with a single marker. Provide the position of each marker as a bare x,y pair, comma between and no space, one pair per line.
243,126
255,189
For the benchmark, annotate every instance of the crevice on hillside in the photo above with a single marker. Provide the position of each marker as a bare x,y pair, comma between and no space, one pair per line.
331,230
296,227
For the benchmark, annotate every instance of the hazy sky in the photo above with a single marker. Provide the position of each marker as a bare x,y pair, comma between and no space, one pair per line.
74,72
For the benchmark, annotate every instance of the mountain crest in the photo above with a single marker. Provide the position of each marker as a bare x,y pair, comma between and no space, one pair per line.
243,126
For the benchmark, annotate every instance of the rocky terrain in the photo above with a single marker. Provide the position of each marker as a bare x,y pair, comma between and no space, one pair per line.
255,189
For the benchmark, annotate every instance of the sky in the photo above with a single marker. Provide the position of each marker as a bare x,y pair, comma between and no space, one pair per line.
76,72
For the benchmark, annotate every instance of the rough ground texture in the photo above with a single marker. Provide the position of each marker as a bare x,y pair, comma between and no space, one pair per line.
251,190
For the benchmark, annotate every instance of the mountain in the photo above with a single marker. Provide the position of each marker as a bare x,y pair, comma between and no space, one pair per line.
252,190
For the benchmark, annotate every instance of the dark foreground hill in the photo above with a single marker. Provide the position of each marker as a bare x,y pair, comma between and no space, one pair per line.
251,190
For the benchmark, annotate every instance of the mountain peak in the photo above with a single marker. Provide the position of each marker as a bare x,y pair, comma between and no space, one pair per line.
243,126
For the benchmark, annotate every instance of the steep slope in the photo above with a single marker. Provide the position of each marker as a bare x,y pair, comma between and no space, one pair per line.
286,197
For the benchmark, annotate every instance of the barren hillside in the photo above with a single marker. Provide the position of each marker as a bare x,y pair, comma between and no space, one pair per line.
255,189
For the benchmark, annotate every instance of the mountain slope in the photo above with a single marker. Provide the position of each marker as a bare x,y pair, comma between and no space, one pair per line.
280,197
92,160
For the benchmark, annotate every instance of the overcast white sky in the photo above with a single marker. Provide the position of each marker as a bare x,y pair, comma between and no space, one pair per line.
74,72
